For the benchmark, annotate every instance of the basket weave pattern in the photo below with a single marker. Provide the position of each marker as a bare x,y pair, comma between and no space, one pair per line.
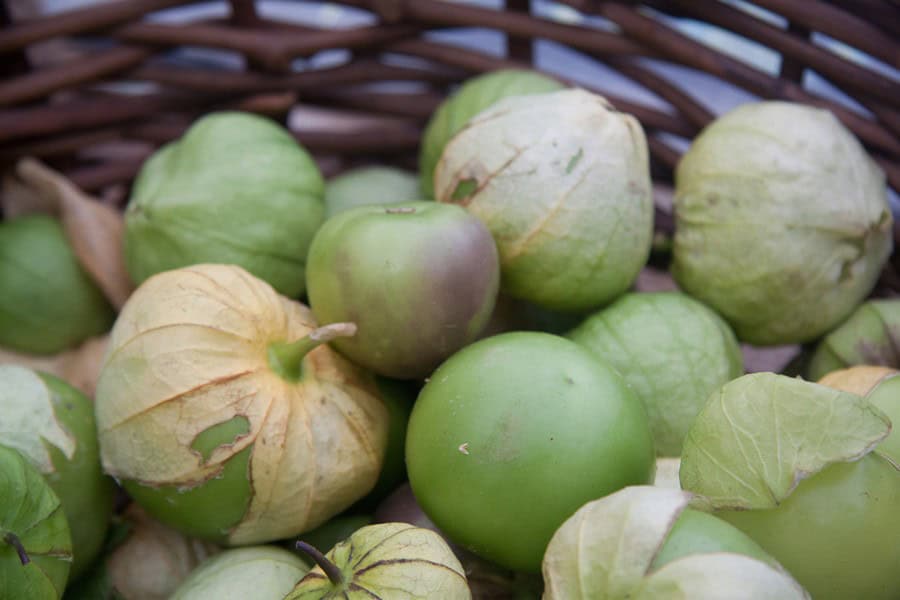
57,104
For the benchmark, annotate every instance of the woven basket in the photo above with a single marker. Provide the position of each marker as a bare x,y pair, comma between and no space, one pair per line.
94,90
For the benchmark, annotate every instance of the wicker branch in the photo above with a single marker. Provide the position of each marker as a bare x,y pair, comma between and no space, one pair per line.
85,113
363,71
81,21
678,47
272,49
477,62
37,84
67,128
841,25
839,70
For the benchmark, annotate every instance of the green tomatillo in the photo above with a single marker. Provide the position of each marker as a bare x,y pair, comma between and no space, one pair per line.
52,424
225,415
474,96
388,560
513,433
257,572
48,302
870,336
419,279
35,546
881,387
370,185
237,189
672,350
645,543
562,180
782,223
797,467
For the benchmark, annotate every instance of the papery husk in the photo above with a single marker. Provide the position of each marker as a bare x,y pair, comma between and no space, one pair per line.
389,560
581,226
94,230
881,387
761,434
606,551
257,572
859,380
154,559
188,352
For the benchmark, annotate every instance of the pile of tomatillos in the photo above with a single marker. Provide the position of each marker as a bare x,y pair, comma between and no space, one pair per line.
444,385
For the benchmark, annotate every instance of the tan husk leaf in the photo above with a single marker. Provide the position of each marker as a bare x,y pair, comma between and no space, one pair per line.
79,366
94,230
859,380
154,559
190,351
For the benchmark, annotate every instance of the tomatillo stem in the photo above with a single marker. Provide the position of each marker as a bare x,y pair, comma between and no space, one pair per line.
14,541
285,358
331,570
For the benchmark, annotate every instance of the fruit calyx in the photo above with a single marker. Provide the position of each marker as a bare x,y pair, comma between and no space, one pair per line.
331,570
13,540
286,358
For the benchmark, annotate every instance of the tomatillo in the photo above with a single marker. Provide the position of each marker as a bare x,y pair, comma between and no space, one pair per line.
515,432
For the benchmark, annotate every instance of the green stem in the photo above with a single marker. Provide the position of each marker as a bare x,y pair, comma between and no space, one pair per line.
331,570
14,541
285,358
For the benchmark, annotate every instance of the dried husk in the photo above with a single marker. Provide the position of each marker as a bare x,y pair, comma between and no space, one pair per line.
190,351
154,560
859,380
145,560
94,230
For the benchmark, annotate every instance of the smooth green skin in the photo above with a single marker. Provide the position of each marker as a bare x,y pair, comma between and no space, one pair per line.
370,185
208,511
31,510
697,532
838,532
324,537
870,336
672,350
48,302
782,221
399,397
547,428
419,279
475,95
258,572
237,189
85,492
886,396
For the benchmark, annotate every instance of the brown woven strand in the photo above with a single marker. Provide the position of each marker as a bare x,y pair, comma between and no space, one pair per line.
52,111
